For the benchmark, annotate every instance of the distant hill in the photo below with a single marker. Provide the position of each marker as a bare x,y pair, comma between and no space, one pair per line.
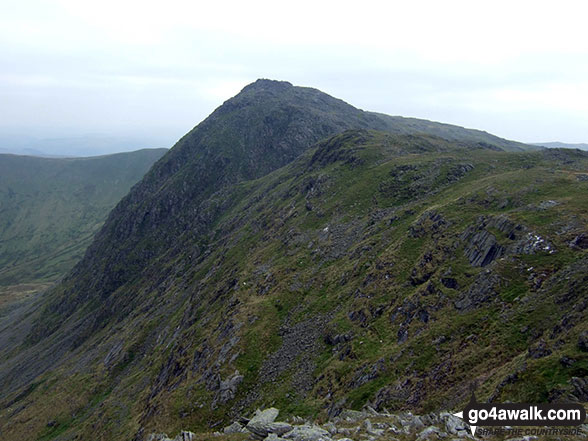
51,208
562,145
76,146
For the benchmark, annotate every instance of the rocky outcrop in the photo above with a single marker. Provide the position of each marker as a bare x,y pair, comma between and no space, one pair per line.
263,423
430,223
483,290
349,425
482,247
308,433
228,389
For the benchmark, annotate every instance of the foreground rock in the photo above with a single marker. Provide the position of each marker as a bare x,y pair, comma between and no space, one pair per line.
350,425
183,436
308,433
263,423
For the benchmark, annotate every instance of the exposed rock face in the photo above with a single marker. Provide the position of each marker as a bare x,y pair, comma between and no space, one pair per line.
338,149
228,388
431,223
481,291
234,428
481,247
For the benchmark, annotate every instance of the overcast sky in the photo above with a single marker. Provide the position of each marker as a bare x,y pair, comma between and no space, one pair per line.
154,69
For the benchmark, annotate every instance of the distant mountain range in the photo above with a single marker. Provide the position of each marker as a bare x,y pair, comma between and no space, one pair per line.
79,146
562,145
294,251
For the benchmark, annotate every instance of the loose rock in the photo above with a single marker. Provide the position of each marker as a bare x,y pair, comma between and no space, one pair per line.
308,433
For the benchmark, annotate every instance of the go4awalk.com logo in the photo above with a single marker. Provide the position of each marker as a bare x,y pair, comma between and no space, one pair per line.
515,414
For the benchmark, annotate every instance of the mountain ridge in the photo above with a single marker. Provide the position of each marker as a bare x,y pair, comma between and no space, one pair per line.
211,167
565,145
353,266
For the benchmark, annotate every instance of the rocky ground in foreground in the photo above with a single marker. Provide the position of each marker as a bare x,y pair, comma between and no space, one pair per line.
351,425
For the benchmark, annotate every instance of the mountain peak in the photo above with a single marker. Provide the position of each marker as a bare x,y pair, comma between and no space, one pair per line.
267,84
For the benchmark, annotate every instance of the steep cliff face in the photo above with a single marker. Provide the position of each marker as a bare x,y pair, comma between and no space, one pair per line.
293,250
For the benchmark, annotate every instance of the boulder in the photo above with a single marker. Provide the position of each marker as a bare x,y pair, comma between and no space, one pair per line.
330,427
351,415
233,428
273,437
453,424
264,416
371,430
263,423
308,433
185,436
416,423
432,433
262,430
158,437
349,430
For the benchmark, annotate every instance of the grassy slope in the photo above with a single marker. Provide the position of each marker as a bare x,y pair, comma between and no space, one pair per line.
51,208
340,234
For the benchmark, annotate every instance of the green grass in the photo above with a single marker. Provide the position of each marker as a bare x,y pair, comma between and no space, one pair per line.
51,209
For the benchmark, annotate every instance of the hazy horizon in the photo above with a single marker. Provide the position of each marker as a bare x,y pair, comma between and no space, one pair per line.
148,73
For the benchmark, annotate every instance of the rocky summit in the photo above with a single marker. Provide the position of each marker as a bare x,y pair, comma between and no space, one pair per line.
359,272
